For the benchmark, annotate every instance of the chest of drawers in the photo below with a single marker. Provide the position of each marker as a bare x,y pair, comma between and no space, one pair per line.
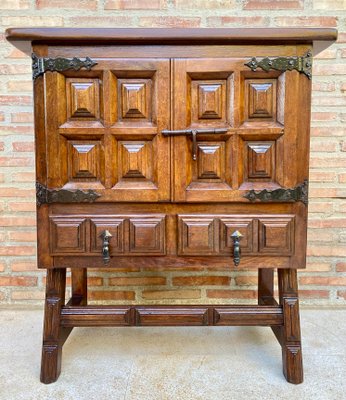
172,148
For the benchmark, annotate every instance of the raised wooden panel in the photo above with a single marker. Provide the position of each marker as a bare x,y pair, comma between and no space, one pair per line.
276,235
197,235
260,161
67,234
229,224
115,226
210,163
135,160
147,235
260,99
136,99
83,98
176,316
208,100
85,161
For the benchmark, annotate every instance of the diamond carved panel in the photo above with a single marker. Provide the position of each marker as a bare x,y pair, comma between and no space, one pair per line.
260,161
135,159
83,98
260,99
135,99
210,161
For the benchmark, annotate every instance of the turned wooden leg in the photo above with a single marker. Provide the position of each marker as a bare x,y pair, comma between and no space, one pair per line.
53,335
79,286
290,331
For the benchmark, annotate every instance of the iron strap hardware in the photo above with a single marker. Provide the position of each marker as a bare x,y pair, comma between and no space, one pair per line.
47,196
42,64
302,64
298,193
194,133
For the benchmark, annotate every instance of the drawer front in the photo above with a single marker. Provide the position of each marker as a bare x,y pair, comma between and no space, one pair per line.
211,234
131,234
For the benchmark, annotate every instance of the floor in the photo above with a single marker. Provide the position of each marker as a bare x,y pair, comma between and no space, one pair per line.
209,363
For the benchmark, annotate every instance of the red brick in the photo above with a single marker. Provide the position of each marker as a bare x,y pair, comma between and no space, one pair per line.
23,146
237,21
326,251
22,117
306,21
342,178
327,192
17,250
200,280
328,131
343,146
19,86
16,130
15,100
21,20
317,176
22,236
135,4
318,267
323,86
246,280
23,177
171,294
2,116
320,235
273,4
342,294
18,281
324,116
28,295
324,146
95,281
323,280
14,69
169,22
204,4
326,54
341,267
17,221
15,192
119,21
328,5
314,294
2,146
137,281
16,161
329,101
232,294
22,207
2,266
334,69
14,4
328,223
77,4
328,162
111,295
20,266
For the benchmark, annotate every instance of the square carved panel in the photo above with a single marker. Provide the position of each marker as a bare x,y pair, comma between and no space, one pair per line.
83,98
230,224
259,161
260,99
197,235
67,235
208,101
135,160
210,163
135,99
85,161
115,226
276,236
147,235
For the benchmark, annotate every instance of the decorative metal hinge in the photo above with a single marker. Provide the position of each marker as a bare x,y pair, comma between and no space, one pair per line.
301,64
42,64
298,193
47,196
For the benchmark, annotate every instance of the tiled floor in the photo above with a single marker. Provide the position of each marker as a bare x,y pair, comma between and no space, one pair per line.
212,363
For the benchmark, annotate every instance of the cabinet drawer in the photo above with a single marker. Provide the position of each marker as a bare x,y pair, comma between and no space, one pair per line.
211,234
131,234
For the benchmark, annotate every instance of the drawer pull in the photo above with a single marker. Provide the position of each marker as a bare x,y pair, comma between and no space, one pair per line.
106,235
194,133
236,237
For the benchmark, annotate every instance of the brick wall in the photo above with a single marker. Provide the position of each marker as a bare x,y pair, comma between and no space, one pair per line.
324,281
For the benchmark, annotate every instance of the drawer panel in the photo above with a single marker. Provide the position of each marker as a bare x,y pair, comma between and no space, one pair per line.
67,234
115,226
237,223
276,235
147,235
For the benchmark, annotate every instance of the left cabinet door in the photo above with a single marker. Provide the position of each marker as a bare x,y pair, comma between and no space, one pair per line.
103,129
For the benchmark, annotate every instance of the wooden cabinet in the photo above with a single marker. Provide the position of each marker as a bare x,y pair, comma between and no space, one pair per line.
172,148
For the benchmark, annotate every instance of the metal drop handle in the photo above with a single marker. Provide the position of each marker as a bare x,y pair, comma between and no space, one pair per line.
236,237
193,133
106,236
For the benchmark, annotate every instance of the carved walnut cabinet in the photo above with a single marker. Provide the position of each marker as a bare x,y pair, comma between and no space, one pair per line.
172,148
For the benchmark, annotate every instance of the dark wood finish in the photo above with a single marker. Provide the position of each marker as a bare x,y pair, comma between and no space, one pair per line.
171,200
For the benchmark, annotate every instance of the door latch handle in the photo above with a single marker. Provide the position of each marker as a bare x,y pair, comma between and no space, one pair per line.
236,237
106,236
194,133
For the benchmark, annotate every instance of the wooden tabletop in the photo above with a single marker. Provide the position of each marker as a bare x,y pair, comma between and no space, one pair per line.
172,35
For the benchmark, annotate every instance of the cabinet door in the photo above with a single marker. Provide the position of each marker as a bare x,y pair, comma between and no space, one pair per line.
260,111
104,129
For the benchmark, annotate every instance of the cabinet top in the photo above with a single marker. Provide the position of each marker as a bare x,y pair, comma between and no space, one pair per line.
171,35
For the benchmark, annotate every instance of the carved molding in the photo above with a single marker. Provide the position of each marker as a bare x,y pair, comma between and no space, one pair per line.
47,196
42,64
302,64
298,193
